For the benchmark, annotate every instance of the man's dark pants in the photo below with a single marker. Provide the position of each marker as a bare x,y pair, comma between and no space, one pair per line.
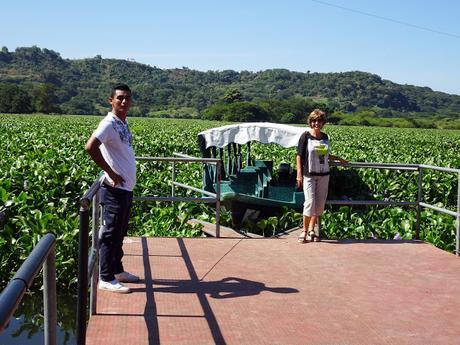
116,207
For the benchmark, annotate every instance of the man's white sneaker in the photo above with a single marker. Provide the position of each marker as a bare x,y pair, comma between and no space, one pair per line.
113,286
126,277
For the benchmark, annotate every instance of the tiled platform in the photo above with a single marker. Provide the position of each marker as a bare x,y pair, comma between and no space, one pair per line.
276,291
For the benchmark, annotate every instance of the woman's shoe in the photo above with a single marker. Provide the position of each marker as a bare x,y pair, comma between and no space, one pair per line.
317,236
312,235
302,237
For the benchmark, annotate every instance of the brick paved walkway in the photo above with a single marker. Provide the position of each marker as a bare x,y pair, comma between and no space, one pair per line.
276,291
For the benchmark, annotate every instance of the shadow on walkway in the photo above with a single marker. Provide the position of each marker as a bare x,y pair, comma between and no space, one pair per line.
225,288
229,287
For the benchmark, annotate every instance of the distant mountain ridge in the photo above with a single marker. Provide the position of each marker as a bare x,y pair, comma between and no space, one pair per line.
81,86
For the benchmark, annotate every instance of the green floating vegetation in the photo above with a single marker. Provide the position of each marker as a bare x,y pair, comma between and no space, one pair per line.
44,171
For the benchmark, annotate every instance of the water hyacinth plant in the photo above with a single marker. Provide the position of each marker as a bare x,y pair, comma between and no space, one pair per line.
44,171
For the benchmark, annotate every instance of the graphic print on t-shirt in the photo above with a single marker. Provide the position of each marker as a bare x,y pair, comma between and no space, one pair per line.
123,132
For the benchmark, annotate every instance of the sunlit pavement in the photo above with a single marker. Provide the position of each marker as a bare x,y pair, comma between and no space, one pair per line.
277,291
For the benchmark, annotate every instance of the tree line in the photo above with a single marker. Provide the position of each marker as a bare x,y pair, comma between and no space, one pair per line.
40,80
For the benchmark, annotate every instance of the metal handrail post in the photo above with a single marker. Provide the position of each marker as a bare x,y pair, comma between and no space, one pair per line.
82,272
9,300
419,200
95,249
457,245
49,296
42,256
218,200
173,187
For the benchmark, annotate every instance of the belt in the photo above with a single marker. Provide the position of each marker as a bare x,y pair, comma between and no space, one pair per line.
110,187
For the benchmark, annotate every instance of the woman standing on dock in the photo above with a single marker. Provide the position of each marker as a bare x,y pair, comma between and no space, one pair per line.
313,155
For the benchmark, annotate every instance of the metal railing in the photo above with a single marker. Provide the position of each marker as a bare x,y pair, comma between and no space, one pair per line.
419,203
88,269
210,197
43,255
85,271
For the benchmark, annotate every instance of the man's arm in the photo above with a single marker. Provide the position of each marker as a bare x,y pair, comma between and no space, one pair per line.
92,147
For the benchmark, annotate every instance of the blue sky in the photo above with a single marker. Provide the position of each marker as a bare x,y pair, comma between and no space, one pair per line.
406,41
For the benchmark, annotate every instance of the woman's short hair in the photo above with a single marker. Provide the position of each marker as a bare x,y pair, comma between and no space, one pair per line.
317,114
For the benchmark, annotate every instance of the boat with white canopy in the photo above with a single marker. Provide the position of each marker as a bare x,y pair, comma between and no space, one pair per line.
249,184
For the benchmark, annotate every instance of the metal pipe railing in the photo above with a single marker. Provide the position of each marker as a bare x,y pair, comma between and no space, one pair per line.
199,190
371,202
86,272
88,269
82,286
174,199
388,166
419,200
439,209
457,242
444,210
182,158
49,296
434,167
87,263
419,204
93,270
43,255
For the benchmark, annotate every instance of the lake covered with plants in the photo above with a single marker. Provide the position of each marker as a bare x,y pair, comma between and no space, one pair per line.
44,171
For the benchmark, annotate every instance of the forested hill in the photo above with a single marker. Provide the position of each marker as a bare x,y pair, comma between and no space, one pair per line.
55,84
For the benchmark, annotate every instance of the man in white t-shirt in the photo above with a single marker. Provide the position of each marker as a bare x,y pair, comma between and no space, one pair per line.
110,147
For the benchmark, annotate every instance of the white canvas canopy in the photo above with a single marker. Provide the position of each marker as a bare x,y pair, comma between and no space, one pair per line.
263,132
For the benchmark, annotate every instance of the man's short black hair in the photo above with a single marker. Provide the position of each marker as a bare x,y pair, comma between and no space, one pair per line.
122,87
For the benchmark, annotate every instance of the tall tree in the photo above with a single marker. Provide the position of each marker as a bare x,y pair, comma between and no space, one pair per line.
44,99
14,99
233,94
